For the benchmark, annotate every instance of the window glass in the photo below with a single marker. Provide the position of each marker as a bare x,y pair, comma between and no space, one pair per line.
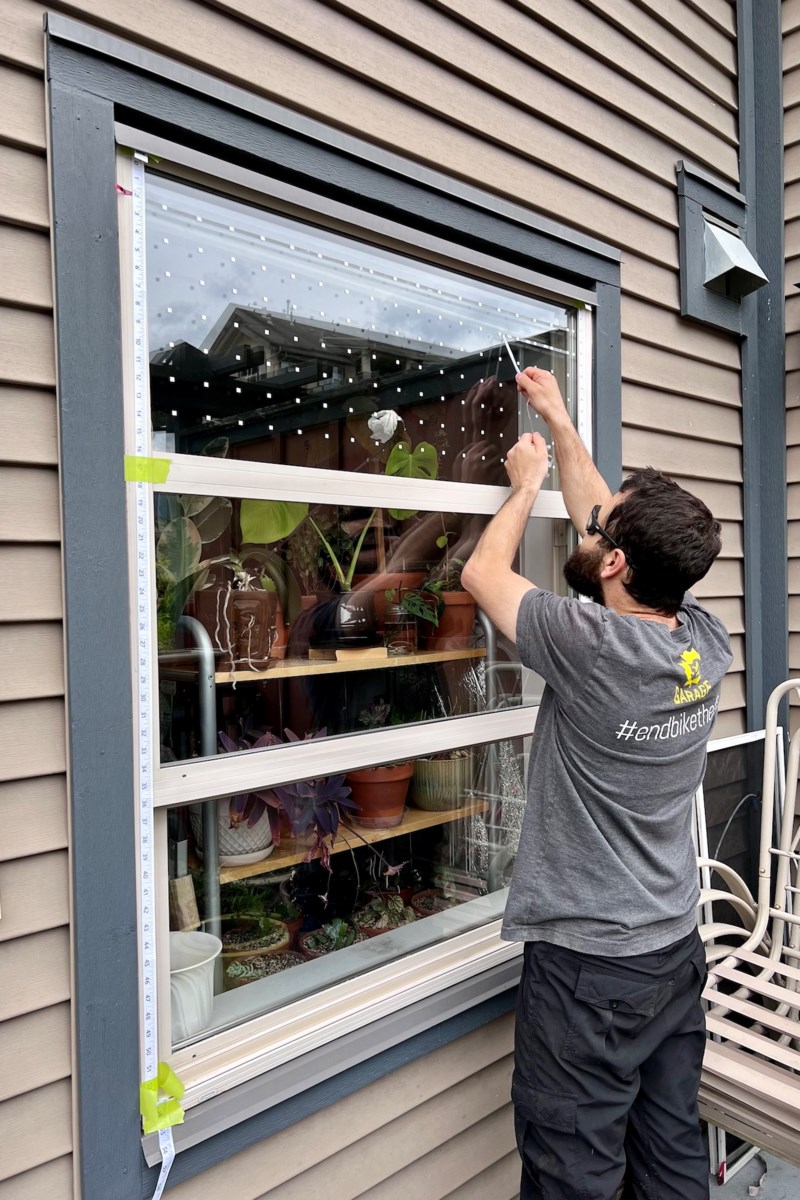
325,879
324,619
275,341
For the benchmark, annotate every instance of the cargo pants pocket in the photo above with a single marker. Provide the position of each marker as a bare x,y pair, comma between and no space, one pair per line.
607,1008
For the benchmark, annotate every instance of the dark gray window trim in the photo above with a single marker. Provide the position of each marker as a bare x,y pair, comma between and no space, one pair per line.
88,90
763,356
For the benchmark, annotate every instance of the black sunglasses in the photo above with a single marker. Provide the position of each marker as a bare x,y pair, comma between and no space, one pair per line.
594,526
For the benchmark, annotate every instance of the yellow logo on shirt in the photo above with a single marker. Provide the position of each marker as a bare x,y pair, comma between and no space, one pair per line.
694,689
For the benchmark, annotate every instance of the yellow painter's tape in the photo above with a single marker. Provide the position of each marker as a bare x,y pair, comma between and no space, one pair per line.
146,470
161,1114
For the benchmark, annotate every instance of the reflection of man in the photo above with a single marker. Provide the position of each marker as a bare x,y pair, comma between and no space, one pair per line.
610,1030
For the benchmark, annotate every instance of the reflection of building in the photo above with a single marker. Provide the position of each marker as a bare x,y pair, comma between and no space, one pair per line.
246,382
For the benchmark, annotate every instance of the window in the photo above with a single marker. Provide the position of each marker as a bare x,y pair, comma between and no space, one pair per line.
340,779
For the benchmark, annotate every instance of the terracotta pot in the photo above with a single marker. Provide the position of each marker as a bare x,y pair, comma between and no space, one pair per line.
281,634
454,631
381,794
399,581
240,624
434,897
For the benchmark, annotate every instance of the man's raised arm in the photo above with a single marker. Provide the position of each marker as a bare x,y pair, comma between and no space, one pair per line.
581,483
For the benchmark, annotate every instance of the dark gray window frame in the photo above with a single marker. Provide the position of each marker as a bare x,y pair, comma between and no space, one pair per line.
94,80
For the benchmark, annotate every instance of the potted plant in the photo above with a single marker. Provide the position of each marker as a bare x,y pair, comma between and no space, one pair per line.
315,807
382,913
348,619
249,823
245,938
336,935
380,792
259,966
441,780
184,525
241,615
430,901
447,610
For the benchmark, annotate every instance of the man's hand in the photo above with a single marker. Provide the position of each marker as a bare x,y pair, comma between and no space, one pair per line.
527,463
542,392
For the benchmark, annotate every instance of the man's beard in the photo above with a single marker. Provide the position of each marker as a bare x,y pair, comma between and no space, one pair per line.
582,572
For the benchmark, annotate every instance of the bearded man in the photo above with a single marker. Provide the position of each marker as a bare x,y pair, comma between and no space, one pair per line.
610,1029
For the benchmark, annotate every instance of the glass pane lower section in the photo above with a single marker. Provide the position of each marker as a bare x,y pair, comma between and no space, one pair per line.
323,880
280,620
275,341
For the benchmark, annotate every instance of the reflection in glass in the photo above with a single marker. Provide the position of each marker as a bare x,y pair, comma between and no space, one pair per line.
274,341
325,879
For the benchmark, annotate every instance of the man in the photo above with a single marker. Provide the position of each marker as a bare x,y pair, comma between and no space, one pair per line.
610,1030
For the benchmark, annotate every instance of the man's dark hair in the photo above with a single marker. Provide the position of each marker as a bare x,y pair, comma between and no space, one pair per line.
669,537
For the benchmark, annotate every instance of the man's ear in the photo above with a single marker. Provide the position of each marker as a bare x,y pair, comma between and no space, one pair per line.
614,564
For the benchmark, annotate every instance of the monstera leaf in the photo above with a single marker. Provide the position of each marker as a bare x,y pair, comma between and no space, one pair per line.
266,521
420,463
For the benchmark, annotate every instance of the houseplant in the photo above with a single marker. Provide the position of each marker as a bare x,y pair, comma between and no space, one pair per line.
241,614
246,938
385,911
248,823
315,807
349,618
184,526
336,935
445,608
259,966
380,792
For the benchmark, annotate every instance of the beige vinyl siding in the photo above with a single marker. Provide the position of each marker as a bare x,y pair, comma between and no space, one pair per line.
791,133
35,1034
484,90
458,1096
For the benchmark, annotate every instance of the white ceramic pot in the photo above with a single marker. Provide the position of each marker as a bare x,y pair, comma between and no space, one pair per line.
191,981
237,847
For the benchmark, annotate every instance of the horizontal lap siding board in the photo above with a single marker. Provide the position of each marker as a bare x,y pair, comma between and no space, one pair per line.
791,93
305,1150
579,114
35,1033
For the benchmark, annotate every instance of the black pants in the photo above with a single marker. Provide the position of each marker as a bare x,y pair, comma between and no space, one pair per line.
606,1074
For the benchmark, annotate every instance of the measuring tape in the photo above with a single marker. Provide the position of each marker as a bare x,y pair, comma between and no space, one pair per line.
145,693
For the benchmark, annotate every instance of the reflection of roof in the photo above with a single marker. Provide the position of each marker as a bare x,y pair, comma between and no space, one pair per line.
261,325
182,354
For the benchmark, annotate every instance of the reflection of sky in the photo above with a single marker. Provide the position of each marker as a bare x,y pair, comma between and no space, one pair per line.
205,252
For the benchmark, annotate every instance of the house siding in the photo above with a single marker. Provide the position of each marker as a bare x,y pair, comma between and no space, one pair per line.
790,10
580,114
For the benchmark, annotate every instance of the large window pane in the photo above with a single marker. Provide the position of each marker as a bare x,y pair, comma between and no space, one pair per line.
323,619
326,879
272,340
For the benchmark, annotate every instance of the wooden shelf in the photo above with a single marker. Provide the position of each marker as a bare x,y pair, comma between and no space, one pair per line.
295,668
294,850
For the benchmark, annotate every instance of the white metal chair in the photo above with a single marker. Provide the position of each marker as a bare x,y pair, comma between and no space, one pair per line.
751,1071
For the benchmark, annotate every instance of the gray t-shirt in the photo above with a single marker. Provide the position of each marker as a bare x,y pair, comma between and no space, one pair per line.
605,863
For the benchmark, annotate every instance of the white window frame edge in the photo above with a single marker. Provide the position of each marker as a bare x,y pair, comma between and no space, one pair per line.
231,1057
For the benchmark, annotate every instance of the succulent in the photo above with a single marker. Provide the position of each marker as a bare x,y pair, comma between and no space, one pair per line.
249,807
315,806
337,934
